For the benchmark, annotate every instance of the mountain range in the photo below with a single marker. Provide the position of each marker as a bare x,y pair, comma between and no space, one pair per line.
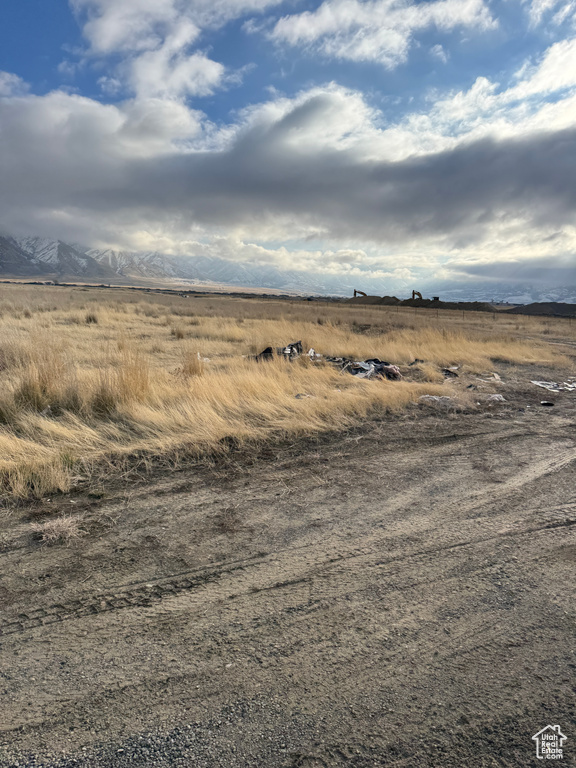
42,257
37,257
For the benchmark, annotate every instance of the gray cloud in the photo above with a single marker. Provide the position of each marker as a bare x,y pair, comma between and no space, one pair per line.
290,170
458,194
555,271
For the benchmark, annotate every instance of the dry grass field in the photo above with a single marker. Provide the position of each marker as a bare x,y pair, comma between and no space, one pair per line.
90,376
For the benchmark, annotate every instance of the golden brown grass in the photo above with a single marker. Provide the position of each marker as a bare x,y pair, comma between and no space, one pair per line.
76,391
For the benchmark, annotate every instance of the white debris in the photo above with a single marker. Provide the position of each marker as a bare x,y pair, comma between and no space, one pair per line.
497,398
442,401
553,386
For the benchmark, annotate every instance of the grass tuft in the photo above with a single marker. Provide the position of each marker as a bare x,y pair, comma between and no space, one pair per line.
59,530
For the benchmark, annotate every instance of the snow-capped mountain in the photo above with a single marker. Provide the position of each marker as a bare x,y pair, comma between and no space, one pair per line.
62,258
150,264
212,269
17,262
42,257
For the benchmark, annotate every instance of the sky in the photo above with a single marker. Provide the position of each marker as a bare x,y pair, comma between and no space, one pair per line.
406,142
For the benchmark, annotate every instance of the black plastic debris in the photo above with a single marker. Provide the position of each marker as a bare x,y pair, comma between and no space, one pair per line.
290,351
416,361
266,354
546,402
448,372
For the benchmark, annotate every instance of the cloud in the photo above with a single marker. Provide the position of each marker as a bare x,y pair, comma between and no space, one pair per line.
538,10
555,72
11,85
548,271
440,53
461,195
132,25
540,95
377,30
171,73
156,41
335,262
140,25
289,169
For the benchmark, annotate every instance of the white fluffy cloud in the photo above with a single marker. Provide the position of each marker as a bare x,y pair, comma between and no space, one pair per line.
169,71
140,25
130,25
376,30
11,85
554,12
540,97
156,41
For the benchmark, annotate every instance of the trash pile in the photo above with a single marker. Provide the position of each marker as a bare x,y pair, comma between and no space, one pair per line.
367,369
363,369
552,386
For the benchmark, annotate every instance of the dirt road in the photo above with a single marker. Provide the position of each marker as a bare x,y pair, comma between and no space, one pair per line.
399,596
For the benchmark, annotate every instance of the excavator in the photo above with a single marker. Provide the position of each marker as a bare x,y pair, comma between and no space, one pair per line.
359,293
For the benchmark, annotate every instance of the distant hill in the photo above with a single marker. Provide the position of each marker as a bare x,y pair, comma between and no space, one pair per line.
556,308
470,306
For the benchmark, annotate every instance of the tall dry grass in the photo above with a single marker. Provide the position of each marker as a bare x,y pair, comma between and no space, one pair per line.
74,392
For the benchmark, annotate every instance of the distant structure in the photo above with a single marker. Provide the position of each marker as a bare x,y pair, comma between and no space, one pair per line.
359,293
435,298
416,294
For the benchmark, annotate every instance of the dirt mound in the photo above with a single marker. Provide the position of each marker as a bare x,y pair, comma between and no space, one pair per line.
392,300
554,308
469,306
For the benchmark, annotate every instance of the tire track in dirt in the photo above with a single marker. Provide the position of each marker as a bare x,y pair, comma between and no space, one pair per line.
140,596
137,595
